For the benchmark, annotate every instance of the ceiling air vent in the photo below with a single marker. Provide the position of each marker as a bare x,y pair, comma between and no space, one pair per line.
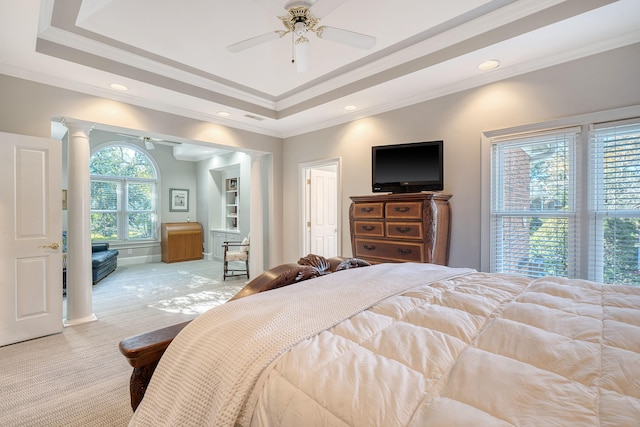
251,116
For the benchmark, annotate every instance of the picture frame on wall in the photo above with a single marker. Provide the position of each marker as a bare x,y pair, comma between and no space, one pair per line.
232,184
178,200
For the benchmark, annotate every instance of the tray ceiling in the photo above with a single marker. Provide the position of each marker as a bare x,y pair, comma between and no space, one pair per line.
172,54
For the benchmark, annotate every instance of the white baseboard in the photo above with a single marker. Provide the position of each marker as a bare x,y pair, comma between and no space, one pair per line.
139,259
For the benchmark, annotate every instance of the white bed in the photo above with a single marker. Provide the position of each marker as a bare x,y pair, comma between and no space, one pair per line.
407,344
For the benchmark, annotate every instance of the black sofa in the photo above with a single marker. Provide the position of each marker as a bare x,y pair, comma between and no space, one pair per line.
103,261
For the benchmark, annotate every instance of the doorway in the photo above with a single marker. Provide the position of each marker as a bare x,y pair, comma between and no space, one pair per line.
320,184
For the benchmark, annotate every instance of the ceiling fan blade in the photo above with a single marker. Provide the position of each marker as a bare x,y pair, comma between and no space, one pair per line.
254,41
273,8
321,8
361,41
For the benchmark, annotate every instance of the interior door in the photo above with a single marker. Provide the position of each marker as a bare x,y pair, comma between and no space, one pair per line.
323,213
31,233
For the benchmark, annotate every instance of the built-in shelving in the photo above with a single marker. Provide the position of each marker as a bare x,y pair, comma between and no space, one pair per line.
231,203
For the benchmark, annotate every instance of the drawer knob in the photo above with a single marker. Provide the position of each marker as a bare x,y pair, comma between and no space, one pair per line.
368,227
403,209
403,230
369,248
404,251
366,210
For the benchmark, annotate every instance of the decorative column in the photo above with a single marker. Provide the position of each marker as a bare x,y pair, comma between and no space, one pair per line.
256,217
79,282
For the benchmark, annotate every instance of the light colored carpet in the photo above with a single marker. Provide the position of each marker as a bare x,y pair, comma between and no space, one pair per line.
78,377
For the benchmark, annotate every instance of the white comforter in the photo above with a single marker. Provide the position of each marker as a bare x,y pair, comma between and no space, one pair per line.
471,350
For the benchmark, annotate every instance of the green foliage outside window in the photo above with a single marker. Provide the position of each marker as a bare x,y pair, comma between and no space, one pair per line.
548,247
122,195
621,251
621,198
122,161
549,193
104,226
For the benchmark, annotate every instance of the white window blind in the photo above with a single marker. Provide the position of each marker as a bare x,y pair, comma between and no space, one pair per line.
615,202
533,204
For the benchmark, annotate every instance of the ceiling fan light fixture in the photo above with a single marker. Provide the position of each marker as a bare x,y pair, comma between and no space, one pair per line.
302,54
300,29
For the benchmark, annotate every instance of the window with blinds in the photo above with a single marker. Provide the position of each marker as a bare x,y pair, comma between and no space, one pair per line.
123,195
533,208
561,208
615,202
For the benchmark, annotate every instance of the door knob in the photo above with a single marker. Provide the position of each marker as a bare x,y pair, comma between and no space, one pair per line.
53,245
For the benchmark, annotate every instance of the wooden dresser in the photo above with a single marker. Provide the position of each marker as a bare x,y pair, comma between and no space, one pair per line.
401,227
181,241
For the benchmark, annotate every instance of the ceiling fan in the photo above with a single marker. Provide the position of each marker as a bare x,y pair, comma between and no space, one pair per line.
299,22
149,143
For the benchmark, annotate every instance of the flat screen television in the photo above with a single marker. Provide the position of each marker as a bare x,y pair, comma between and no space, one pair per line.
408,168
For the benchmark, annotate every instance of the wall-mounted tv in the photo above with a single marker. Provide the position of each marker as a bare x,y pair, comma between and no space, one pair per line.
408,168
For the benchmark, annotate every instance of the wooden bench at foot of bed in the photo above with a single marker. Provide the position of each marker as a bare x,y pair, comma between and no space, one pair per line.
145,350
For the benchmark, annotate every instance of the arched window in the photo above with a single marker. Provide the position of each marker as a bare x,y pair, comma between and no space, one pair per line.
123,195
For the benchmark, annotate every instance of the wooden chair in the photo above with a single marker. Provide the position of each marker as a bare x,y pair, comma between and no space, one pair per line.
236,253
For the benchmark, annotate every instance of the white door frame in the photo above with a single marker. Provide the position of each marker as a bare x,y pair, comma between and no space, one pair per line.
303,172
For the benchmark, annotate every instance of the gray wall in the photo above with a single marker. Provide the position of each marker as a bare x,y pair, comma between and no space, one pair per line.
27,108
601,82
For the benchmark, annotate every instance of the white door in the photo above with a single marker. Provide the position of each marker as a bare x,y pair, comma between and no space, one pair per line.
323,216
31,233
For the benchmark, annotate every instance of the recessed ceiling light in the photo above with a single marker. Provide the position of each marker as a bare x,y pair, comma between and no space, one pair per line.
118,86
350,107
491,64
223,114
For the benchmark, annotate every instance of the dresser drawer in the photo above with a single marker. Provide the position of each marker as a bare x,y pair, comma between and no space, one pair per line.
404,230
403,210
368,228
389,250
368,210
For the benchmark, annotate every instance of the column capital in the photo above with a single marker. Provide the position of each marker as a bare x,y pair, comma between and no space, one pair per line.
74,125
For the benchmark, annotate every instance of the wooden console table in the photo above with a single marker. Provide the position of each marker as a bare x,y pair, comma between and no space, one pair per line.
410,227
181,241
